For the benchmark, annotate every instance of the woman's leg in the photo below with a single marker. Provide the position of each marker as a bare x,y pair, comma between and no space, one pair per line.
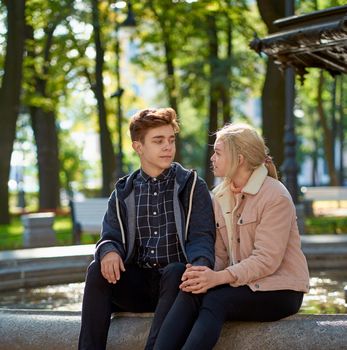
240,303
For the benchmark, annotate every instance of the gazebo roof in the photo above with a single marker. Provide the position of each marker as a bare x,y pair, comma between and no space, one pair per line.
318,39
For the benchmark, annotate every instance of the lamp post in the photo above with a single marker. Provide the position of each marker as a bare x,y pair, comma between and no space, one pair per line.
289,166
129,22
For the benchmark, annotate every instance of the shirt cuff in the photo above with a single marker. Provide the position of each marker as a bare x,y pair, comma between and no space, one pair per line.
105,249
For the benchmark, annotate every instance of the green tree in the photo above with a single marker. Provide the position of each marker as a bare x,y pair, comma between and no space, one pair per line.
45,80
107,152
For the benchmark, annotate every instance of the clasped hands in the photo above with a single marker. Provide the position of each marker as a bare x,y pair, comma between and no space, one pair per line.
198,279
195,279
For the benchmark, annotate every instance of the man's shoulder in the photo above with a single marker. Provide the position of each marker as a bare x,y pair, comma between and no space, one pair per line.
125,183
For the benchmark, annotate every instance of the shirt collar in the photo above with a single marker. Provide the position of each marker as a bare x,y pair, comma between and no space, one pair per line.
163,176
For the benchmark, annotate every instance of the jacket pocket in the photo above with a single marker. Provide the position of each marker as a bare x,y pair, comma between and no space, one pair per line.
246,219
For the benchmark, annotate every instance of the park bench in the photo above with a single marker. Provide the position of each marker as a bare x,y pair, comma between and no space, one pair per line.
87,216
325,193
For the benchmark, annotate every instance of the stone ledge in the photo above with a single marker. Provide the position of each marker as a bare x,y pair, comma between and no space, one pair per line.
31,330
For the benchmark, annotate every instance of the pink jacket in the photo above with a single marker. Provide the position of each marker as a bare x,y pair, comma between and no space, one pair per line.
257,235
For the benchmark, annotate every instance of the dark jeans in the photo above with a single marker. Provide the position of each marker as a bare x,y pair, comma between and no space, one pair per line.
138,290
195,321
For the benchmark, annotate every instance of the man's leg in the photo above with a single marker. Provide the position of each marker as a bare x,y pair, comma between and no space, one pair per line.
131,293
96,310
168,290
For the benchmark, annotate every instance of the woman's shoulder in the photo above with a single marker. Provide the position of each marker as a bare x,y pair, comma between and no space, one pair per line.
273,188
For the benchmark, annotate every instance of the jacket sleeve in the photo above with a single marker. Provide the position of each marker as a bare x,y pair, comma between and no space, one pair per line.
111,236
201,230
221,252
270,243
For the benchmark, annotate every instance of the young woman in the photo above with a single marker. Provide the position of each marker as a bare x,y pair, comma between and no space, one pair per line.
260,272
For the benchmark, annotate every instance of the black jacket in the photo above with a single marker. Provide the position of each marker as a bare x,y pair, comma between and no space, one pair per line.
192,202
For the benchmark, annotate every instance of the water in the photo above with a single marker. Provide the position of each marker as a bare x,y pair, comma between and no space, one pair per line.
326,296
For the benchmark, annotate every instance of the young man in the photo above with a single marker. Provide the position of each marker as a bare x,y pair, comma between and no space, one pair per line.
159,219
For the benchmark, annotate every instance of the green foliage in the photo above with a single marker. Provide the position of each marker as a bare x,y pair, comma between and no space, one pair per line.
325,225
73,167
59,70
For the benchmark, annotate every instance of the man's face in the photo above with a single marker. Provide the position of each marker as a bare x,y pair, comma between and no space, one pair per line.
157,151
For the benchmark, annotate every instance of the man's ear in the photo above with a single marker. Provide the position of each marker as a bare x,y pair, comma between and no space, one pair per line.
137,147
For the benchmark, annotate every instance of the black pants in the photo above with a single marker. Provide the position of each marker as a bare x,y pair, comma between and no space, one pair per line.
195,321
138,290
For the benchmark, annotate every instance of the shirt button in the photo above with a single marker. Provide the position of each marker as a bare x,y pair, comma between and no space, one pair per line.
155,232
154,264
154,213
241,221
152,251
238,240
155,193
154,179
256,285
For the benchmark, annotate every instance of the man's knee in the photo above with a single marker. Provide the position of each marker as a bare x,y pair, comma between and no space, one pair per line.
94,273
174,270
171,275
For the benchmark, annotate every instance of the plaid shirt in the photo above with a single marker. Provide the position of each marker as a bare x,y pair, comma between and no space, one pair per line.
156,242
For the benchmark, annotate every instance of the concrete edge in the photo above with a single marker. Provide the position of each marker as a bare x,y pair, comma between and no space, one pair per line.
59,331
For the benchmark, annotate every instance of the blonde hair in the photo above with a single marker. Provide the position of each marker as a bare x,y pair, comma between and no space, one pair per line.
244,139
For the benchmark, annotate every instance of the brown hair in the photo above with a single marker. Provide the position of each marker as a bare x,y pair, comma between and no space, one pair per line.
151,118
245,140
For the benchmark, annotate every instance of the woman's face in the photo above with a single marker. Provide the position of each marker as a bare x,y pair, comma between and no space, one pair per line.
219,159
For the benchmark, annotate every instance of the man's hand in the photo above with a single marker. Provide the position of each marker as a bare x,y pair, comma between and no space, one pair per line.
111,267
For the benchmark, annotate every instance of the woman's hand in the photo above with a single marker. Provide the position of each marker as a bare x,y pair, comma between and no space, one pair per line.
198,279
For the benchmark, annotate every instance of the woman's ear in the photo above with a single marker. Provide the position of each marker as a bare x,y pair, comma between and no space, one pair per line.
241,159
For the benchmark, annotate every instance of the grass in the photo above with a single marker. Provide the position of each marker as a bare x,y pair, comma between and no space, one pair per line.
11,236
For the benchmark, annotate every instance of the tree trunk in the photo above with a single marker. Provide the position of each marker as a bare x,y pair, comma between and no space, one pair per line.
10,96
273,96
170,81
108,157
327,133
44,127
43,124
225,92
171,87
213,96
314,161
